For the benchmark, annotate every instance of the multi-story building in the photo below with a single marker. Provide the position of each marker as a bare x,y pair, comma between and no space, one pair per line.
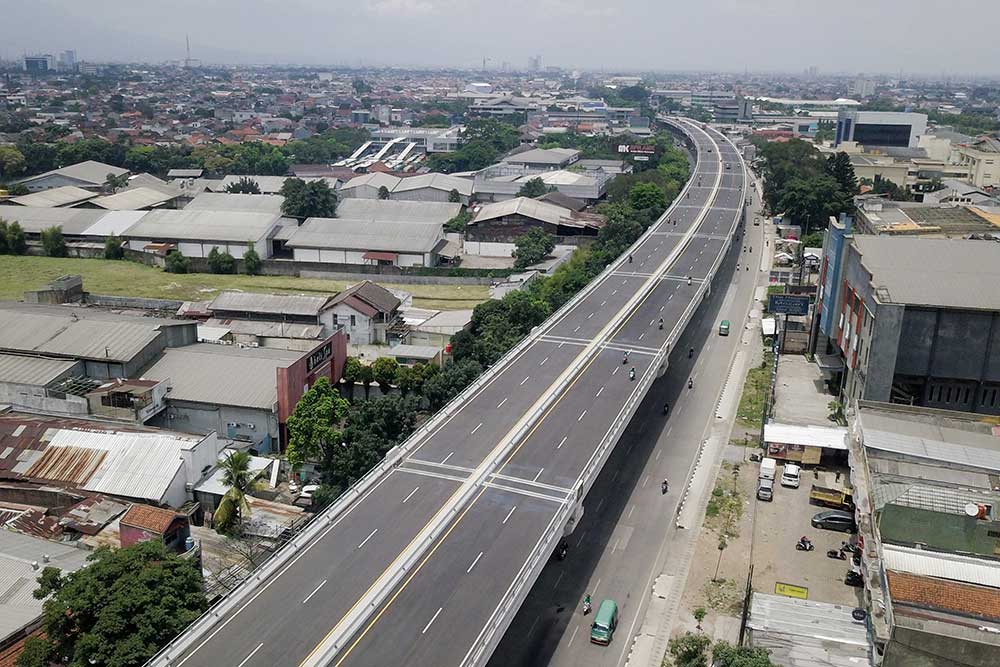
983,159
38,64
880,128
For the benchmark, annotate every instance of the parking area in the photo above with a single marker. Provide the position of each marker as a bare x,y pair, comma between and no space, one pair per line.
778,525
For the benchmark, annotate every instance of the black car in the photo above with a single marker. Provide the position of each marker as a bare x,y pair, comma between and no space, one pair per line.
835,520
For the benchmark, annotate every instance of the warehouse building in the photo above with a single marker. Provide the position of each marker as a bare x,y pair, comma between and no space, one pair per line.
196,232
89,175
387,210
494,228
223,201
346,241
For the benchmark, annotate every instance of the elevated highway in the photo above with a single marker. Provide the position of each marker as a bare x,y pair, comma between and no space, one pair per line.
427,558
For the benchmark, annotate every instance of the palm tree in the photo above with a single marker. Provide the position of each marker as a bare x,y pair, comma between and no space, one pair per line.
234,506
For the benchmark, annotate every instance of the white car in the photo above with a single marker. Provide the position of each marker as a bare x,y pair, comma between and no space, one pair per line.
790,475
309,489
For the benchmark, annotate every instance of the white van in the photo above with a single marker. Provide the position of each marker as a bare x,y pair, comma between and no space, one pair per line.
767,468
790,475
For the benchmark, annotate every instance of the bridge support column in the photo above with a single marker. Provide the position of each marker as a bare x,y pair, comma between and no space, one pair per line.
574,520
662,370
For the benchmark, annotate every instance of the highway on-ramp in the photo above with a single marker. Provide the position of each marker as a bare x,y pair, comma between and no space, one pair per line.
429,562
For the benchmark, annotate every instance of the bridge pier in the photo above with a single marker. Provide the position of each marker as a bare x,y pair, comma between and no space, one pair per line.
662,370
574,519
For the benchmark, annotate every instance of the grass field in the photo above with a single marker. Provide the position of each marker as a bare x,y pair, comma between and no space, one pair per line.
755,389
122,278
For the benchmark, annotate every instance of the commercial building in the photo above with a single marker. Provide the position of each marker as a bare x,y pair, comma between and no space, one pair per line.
945,213
879,128
544,158
983,160
391,210
426,187
927,501
244,393
38,64
503,181
912,320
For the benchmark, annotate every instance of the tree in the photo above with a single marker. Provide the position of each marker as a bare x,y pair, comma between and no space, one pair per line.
315,428
366,376
113,248
114,183
303,200
4,248
244,186
445,385
251,261
385,371
351,375
53,242
725,654
689,649
17,243
534,187
12,163
119,610
234,507
176,262
811,201
221,262
647,195
532,247
459,222
839,166
454,197
383,192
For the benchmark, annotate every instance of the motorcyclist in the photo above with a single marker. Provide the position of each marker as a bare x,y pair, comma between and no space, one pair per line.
661,323
690,383
586,605
625,358
666,408
631,373
690,352
630,258
664,486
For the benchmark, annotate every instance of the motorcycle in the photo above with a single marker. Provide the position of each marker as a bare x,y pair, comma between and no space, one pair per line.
631,374
561,551
666,408
836,554
804,544
690,352
690,384
854,579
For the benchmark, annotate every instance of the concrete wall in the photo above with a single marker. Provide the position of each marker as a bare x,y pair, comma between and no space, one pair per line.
361,331
883,350
131,302
54,181
200,418
910,647
32,398
335,256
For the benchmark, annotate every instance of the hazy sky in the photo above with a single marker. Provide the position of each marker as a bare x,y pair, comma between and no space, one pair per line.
785,35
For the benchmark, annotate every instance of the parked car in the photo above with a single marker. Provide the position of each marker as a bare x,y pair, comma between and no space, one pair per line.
835,520
790,475
767,468
765,489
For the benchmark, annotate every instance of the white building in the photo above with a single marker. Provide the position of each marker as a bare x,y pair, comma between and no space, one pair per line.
195,233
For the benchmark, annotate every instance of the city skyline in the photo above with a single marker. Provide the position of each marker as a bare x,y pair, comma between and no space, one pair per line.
447,34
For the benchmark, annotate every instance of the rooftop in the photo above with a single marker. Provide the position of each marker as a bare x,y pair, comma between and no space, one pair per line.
948,273
239,227
391,210
343,233
271,304
222,374
223,201
89,172
37,371
367,292
530,208
65,195
67,335
74,221
132,199
928,592
553,156
153,519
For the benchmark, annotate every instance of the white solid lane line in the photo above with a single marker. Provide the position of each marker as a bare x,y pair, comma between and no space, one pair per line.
538,474
450,454
573,636
599,392
500,404
410,495
508,515
541,364
581,415
525,379
370,536
431,622
478,426
562,442
247,659
474,562
315,590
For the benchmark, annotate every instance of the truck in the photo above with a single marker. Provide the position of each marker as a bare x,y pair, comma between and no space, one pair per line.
836,497
767,468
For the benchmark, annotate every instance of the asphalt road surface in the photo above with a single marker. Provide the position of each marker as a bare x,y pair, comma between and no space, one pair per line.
436,613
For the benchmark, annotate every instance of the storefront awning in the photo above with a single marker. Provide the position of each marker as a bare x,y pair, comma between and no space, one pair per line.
381,256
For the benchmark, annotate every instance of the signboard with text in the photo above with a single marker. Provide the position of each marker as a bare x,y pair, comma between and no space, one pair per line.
789,304
791,591
637,149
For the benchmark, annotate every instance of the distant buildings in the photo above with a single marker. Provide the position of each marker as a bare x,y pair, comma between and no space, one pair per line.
983,160
879,128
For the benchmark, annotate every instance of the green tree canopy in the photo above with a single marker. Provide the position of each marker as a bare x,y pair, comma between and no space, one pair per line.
532,247
689,650
251,261
244,186
119,610
497,325
175,262
113,248
53,242
647,195
221,262
313,199
385,371
534,187
383,192
725,654
315,427
12,163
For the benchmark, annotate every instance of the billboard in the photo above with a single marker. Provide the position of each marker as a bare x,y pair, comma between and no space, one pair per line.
637,149
789,304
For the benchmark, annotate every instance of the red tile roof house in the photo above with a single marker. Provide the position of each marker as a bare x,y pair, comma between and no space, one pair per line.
144,522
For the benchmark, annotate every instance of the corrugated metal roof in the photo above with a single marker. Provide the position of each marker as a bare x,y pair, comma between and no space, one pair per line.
375,179
131,465
340,233
942,565
90,171
268,185
806,618
37,371
934,450
224,201
223,374
34,219
18,607
82,338
829,437
113,222
67,194
185,225
435,181
391,210
542,156
949,273
212,483
133,199
272,304
525,206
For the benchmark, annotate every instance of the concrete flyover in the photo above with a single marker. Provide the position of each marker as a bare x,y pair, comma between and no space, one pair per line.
427,558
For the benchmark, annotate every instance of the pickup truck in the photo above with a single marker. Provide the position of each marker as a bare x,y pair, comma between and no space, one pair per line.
841,499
